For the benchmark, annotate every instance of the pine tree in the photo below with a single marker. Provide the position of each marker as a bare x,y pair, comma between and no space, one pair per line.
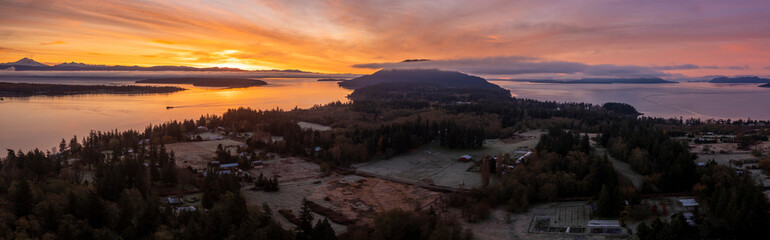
305,226
323,231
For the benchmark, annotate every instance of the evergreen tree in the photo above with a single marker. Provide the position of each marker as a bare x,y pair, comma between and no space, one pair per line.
305,226
323,231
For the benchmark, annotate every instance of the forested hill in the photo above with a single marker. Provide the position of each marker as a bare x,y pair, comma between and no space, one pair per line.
747,79
423,76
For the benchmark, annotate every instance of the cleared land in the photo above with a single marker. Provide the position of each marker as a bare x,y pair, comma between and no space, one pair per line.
354,197
197,154
436,165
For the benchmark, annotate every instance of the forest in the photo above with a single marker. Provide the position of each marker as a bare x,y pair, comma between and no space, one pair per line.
45,195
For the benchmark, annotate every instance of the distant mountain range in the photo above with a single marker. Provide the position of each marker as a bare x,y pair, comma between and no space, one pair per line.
745,79
424,76
26,64
599,81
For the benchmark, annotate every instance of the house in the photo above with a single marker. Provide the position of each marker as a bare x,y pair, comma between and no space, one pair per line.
465,158
174,200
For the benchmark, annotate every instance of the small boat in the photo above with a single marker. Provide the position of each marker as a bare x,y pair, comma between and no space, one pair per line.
169,107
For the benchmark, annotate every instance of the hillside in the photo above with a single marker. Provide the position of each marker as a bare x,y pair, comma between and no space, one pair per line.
436,78
746,79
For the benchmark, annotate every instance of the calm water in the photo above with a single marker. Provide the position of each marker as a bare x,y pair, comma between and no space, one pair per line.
688,100
42,121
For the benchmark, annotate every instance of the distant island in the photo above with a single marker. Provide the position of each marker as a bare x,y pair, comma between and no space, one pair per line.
598,81
428,85
208,82
331,80
745,79
27,64
765,85
31,89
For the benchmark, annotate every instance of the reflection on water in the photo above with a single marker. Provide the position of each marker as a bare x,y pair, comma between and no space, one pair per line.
42,121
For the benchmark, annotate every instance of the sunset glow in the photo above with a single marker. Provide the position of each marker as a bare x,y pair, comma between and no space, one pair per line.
720,37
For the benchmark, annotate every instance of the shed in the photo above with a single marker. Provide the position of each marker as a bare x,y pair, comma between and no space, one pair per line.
174,200
465,158
228,165
689,202
604,223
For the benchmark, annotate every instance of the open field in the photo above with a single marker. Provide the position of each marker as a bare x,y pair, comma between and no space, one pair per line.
197,154
436,165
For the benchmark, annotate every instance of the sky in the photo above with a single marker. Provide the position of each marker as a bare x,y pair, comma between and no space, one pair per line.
499,39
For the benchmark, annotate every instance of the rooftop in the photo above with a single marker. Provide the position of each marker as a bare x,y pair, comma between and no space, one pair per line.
689,202
604,223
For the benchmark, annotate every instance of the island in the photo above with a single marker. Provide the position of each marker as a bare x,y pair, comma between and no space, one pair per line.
598,81
432,77
208,82
765,85
744,79
31,89
426,85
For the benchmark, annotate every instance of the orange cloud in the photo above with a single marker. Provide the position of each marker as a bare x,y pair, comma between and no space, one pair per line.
57,42
333,35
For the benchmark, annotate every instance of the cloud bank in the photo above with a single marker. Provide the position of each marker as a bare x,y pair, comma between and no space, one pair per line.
522,65
332,35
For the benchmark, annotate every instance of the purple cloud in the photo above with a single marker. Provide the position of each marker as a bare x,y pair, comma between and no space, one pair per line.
518,65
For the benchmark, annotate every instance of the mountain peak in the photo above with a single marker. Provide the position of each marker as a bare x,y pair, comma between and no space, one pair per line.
25,62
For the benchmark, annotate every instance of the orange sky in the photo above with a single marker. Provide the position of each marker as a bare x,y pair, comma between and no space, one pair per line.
718,37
